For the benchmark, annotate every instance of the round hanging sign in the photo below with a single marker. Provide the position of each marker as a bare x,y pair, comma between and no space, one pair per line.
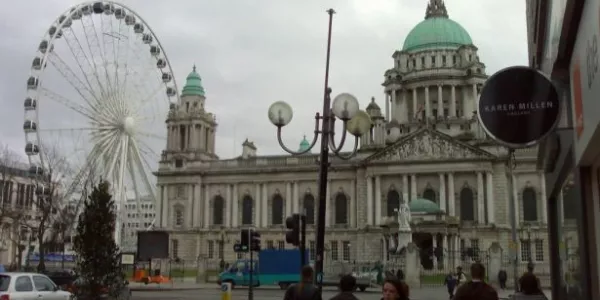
518,106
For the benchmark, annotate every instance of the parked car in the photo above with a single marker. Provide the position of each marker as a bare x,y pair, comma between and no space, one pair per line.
30,286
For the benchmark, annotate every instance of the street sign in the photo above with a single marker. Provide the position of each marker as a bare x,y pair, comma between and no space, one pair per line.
518,106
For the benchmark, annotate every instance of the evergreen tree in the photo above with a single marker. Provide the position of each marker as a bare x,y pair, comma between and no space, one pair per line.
98,256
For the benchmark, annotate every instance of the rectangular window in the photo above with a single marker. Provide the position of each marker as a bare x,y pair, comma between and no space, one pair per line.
211,249
414,63
346,251
221,250
454,60
270,245
539,250
475,247
281,245
175,248
334,251
525,251
433,60
422,62
312,250
443,59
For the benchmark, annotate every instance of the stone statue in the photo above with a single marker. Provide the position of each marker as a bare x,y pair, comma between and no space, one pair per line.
404,217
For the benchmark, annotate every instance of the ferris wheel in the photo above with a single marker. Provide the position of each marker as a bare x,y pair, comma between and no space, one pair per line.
100,88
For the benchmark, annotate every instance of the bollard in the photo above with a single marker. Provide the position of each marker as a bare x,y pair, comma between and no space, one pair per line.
226,291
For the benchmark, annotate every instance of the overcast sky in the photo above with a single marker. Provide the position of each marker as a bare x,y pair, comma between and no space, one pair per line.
252,53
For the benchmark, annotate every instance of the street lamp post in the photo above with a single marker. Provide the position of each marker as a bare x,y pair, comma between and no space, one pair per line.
356,122
527,237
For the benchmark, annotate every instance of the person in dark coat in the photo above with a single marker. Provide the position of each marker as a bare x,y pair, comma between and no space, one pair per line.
304,290
347,287
450,282
476,288
502,277
394,289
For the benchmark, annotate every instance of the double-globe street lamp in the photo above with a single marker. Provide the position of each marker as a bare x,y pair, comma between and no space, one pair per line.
356,122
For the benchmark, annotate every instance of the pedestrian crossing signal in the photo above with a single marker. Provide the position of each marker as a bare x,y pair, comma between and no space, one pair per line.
240,248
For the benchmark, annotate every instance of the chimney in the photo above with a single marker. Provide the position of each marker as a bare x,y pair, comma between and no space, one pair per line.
248,149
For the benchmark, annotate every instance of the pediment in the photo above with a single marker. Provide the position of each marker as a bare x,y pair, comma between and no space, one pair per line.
429,145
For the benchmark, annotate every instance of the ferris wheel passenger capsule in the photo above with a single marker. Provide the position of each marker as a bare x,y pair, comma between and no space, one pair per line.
120,13
109,9
166,77
66,22
29,126
29,104
32,83
76,14
138,28
129,20
36,171
98,7
154,50
171,92
161,63
86,10
147,38
32,149
37,63
52,31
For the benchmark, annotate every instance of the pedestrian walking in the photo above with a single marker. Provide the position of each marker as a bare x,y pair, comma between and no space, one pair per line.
502,277
530,288
400,275
347,287
303,290
450,282
394,289
476,288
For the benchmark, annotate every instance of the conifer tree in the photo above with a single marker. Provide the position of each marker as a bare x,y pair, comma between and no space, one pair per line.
98,256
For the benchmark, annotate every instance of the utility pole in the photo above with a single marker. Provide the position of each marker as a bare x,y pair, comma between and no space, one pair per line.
303,261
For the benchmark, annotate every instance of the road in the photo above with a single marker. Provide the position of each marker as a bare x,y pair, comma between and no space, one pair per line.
273,294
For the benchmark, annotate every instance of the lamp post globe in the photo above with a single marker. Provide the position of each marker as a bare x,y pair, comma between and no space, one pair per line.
359,124
280,113
345,106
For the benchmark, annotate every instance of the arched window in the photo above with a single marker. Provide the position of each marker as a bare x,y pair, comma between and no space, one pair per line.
341,209
569,202
393,203
429,194
178,215
247,203
218,210
530,211
467,204
277,210
309,206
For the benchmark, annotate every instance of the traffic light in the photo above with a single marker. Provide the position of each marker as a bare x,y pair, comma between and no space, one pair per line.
244,244
292,236
254,241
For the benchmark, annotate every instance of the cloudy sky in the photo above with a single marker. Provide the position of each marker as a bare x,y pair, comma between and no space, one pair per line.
252,53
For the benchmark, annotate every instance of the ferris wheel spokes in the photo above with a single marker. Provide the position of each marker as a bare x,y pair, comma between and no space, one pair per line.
138,161
69,74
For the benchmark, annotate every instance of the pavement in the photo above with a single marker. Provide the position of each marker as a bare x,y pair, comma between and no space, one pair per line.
209,291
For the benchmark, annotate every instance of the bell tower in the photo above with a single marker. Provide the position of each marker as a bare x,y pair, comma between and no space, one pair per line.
191,129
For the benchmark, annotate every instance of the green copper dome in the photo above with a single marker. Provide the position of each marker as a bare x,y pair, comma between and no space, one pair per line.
422,205
193,85
436,31
304,145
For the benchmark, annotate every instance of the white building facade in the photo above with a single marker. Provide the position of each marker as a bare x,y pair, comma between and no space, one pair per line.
426,147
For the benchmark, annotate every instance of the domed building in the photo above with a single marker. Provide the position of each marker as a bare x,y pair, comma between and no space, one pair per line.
425,149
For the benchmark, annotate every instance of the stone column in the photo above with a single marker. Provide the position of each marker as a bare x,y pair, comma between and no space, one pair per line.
369,200
257,206
465,103
405,188
451,200
265,206
198,204
517,202
440,101
288,199
442,192
159,207
404,108
353,204
445,251
228,202
427,103
387,106
377,200
415,103
412,274
235,215
206,220
496,262
544,213
453,101
491,207
296,198
480,199
434,245
329,208
394,103
190,207
413,187
165,206
475,100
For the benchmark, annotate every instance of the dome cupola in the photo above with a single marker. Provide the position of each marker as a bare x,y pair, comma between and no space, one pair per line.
304,145
193,84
